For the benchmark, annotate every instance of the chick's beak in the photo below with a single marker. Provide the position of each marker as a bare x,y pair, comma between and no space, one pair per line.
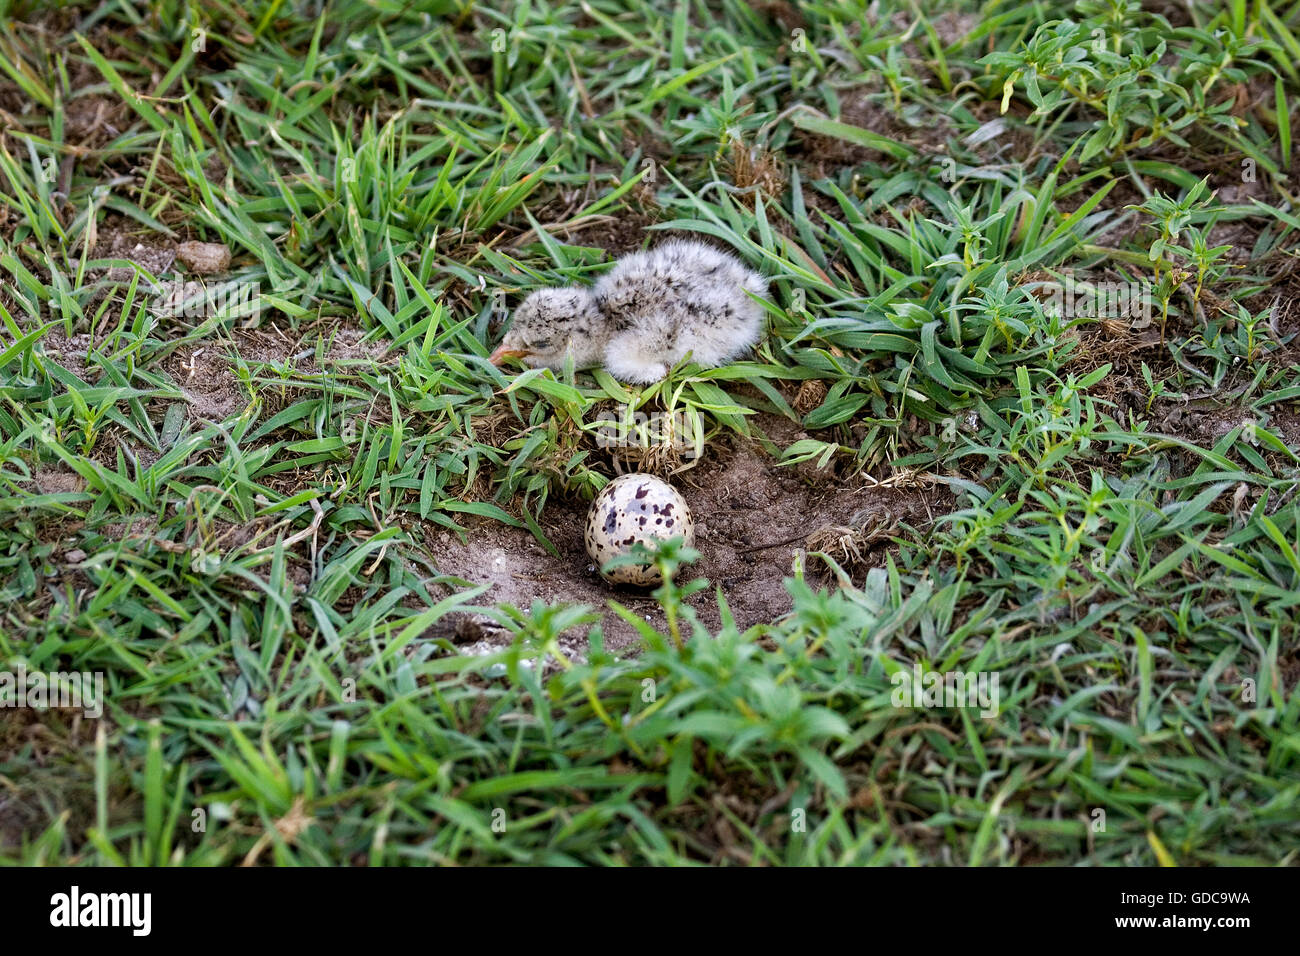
504,352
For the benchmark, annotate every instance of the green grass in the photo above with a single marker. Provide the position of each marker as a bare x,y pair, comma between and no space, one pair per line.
257,590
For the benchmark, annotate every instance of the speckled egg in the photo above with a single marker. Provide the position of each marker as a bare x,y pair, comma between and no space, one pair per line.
635,508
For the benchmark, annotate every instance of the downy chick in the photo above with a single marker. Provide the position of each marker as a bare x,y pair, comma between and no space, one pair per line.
644,315
551,324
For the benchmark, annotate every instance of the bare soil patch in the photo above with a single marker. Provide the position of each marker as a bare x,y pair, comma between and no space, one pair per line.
751,517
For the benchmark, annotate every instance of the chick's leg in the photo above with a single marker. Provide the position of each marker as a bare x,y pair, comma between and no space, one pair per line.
635,358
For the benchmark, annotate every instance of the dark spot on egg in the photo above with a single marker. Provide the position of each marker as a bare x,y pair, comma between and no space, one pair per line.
642,491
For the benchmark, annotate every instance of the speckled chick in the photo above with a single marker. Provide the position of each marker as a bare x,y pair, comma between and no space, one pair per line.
644,316
552,324
632,509
680,297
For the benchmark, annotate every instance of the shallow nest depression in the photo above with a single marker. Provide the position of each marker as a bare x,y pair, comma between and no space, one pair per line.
754,519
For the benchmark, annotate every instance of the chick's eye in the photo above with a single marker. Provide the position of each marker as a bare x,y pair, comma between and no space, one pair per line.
540,344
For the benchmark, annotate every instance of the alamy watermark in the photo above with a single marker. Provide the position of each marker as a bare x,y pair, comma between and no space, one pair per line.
198,300
632,428
1078,299
133,911
916,688
77,690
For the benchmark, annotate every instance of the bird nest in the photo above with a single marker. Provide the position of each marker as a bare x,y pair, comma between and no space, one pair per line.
849,543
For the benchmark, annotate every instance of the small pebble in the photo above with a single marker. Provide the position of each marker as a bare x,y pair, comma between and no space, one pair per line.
204,258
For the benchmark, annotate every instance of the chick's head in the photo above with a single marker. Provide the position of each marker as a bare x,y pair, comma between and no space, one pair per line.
550,324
